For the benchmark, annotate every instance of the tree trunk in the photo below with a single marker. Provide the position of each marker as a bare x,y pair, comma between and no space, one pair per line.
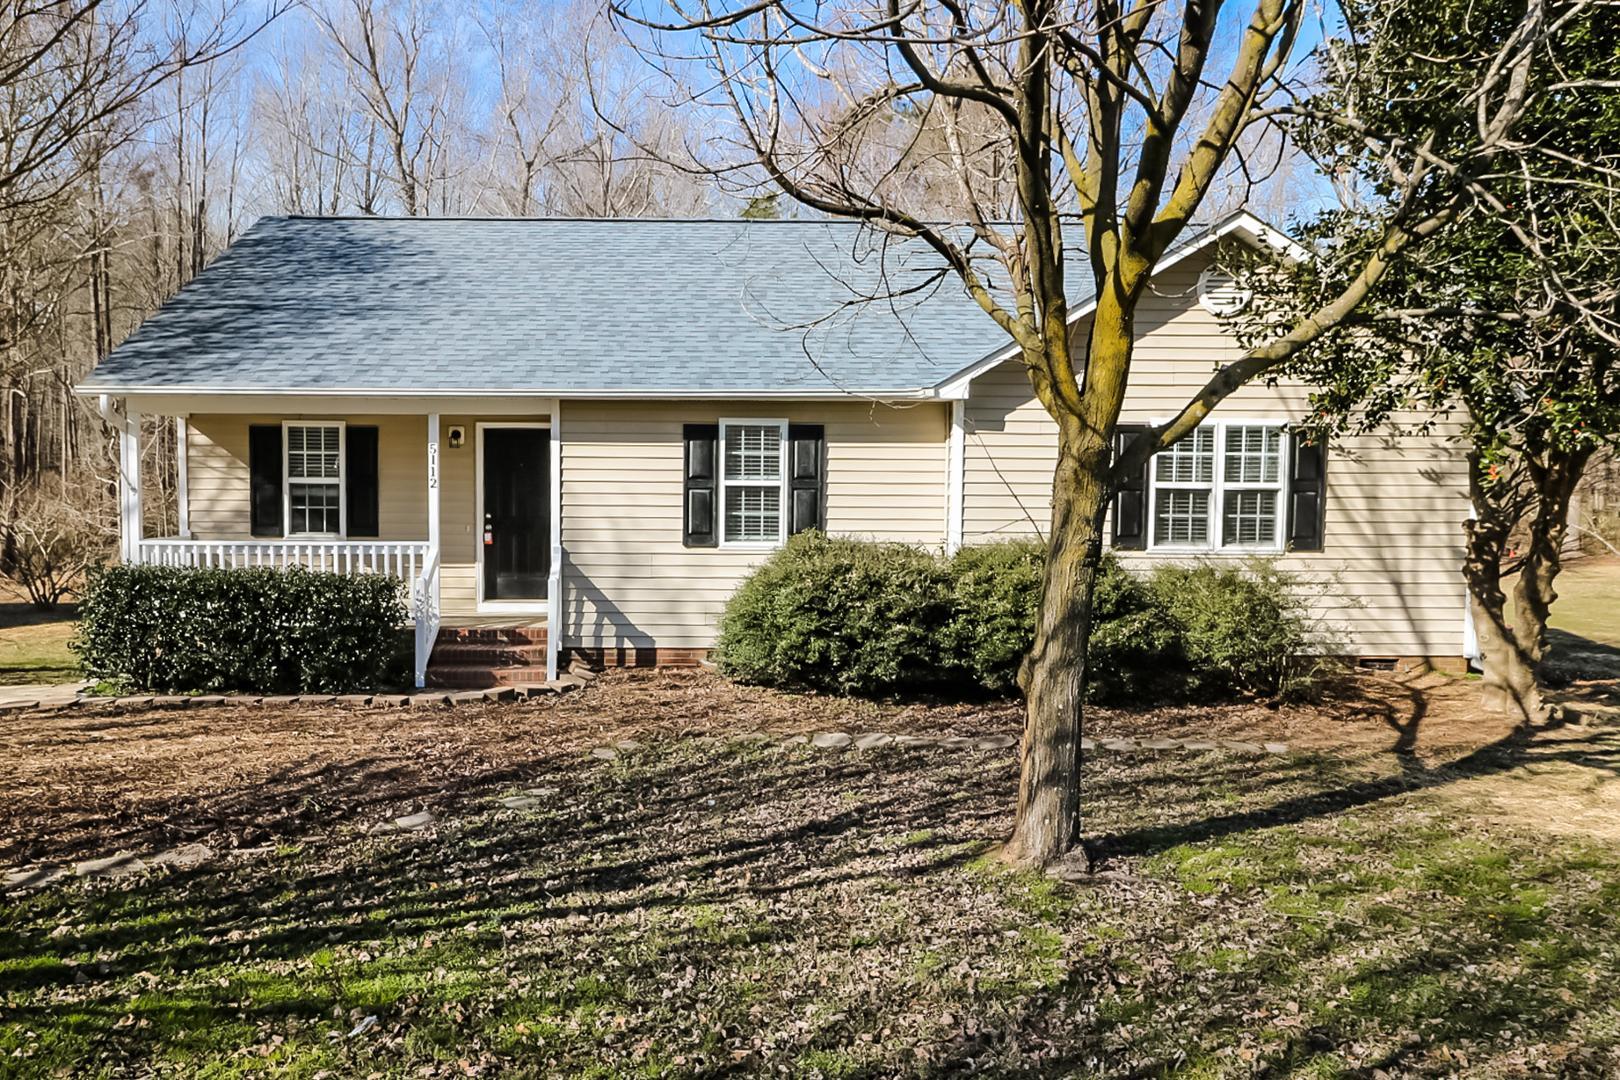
1555,477
1054,675
1510,673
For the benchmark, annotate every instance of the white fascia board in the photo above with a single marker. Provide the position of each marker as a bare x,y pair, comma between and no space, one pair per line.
905,394
1241,224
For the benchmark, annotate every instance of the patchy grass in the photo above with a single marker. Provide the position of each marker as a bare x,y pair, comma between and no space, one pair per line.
709,907
34,645
1588,597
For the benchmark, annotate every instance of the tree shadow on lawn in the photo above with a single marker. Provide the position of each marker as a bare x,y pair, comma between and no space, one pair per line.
1600,751
598,900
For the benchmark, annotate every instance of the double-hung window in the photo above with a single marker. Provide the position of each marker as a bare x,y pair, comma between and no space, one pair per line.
1183,490
753,475
1251,486
314,484
1221,489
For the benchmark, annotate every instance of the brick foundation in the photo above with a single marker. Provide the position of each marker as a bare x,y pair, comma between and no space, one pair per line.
632,656
1410,665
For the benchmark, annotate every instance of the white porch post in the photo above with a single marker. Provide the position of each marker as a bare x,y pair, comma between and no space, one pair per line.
181,480
433,482
554,583
129,484
955,477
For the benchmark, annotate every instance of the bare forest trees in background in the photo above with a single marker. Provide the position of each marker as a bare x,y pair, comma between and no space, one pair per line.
138,139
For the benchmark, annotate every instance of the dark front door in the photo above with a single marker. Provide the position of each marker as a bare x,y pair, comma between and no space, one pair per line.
517,513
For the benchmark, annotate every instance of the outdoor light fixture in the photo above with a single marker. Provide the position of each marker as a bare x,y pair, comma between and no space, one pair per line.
458,436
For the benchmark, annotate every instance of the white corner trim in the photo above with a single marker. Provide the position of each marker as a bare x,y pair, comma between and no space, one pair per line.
554,586
182,477
955,477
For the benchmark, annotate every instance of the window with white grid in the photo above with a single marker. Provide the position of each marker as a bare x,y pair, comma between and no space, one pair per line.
1183,481
751,477
314,479
1251,485
1221,487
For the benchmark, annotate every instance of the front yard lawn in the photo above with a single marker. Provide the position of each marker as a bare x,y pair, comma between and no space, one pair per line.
33,643
706,904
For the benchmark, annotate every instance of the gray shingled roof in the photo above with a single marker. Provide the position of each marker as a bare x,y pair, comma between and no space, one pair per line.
557,307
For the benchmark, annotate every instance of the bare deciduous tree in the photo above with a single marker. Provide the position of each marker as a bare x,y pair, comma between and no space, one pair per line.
1113,122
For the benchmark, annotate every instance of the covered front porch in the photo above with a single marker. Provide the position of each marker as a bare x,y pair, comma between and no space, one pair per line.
458,498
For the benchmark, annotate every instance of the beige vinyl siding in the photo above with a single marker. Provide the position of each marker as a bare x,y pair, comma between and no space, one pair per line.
630,583
1388,577
220,487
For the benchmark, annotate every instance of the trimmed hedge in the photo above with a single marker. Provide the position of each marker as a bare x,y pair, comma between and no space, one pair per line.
856,617
264,631
844,616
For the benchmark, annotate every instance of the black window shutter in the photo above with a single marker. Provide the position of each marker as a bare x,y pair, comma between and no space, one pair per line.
807,476
1130,498
264,468
1307,494
699,527
360,480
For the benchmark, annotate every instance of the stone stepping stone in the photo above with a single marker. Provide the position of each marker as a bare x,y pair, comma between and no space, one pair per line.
26,878
1161,744
915,740
412,822
1242,746
520,802
1276,748
113,866
831,740
541,792
185,857
996,742
873,740
606,753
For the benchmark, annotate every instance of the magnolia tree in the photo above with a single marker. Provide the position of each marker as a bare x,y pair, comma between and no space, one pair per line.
1074,137
1509,325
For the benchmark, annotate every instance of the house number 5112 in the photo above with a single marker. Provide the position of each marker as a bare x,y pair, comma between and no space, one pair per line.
433,465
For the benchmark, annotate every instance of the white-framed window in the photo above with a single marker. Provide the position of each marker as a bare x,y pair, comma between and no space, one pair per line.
1220,489
312,471
753,483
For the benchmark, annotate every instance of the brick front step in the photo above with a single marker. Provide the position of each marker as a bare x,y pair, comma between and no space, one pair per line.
492,635
489,655
483,676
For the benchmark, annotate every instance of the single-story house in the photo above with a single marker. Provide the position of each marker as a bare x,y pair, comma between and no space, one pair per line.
576,437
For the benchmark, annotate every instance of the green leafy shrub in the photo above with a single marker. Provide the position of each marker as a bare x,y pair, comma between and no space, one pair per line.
856,617
257,630
1135,653
846,616
1243,628
995,599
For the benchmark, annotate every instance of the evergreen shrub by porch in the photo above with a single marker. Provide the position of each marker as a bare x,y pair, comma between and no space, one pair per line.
843,616
856,617
176,630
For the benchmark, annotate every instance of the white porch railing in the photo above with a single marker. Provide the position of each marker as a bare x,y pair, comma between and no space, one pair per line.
413,561
401,558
